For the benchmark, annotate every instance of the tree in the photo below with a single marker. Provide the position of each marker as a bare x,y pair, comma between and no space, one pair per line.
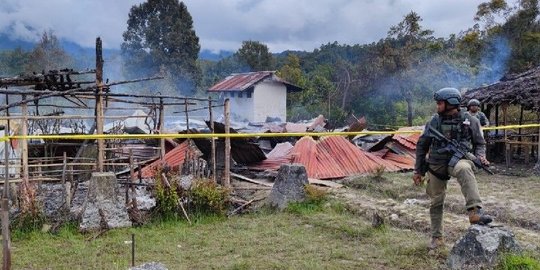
47,55
160,38
411,40
13,62
255,55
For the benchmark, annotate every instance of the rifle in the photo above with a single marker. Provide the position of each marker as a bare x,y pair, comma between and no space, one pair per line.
458,149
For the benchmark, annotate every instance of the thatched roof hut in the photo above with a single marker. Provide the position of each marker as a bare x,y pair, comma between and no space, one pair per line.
514,89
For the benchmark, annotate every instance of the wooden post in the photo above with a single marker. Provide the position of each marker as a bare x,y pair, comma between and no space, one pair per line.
99,105
64,167
24,142
161,129
132,180
538,148
496,119
187,116
227,172
213,141
519,133
6,241
507,149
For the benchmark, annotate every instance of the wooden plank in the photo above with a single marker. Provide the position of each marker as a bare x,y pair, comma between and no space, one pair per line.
241,177
325,183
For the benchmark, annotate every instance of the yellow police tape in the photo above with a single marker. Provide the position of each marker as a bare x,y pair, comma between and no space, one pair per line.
230,135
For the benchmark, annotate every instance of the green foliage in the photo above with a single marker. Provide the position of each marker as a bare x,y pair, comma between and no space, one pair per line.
208,197
255,55
160,39
13,62
518,262
29,220
315,198
167,197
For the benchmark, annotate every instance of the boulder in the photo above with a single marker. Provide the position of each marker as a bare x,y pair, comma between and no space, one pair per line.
481,247
289,185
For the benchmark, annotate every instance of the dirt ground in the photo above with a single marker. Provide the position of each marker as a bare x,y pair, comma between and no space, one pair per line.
512,196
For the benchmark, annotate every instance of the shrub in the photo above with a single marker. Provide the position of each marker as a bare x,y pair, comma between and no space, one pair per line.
207,197
166,195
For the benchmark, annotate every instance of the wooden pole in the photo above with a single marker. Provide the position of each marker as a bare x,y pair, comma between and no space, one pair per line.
161,129
24,142
6,242
519,131
187,116
506,144
132,179
496,119
213,141
99,104
538,148
227,172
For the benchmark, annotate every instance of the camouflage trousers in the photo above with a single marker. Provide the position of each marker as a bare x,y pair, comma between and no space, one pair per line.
436,189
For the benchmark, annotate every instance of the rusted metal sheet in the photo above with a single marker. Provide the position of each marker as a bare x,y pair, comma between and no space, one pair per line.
240,82
173,158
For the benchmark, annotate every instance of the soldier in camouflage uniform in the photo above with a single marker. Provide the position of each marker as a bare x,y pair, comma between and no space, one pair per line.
459,125
473,108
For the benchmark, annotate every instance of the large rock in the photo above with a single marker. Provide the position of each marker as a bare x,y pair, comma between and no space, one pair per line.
289,185
102,209
480,248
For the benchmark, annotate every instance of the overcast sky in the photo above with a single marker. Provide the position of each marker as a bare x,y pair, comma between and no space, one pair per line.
224,24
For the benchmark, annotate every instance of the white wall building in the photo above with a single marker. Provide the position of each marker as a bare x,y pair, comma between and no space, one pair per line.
254,96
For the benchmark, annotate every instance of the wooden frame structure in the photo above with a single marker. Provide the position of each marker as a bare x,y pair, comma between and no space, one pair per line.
521,90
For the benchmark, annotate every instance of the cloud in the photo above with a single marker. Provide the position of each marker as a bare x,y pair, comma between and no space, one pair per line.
224,24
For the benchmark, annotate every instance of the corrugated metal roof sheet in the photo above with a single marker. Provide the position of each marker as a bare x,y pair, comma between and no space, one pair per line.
331,157
173,158
242,81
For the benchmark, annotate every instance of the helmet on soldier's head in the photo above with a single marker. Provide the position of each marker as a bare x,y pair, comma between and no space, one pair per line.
473,102
448,94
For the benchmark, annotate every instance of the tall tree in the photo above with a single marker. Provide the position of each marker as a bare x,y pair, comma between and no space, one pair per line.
255,55
411,42
48,54
160,38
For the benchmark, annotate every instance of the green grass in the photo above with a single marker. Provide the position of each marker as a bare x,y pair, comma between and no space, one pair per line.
518,262
325,236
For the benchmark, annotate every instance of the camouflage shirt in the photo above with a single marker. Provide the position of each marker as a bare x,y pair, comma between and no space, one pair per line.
461,126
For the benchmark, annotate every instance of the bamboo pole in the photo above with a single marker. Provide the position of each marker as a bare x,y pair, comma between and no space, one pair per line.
213,141
99,104
226,174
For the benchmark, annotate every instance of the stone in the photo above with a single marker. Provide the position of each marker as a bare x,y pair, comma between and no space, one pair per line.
480,247
102,209
289,186
149,266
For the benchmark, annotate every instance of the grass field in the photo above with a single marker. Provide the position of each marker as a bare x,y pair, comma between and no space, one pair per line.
324,236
